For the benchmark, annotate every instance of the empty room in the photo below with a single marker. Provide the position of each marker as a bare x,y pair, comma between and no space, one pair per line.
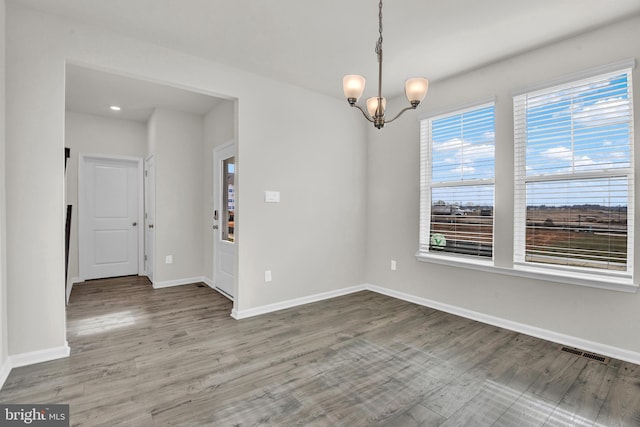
341,213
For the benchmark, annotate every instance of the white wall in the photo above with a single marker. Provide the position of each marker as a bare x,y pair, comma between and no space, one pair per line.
605,317
313,241
35,177
151,135
178,140
91,134
219,128
4,369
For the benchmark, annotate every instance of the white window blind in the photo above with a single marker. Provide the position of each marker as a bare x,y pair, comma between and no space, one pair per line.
574,175
457,182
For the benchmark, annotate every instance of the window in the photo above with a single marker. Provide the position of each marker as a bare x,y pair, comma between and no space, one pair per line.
574,175
228,199
457,182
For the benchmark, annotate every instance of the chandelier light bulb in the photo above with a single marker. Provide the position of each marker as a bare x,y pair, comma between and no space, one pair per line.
353,86
416,89
372,106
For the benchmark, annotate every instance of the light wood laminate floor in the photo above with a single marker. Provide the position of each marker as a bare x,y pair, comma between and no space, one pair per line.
173,356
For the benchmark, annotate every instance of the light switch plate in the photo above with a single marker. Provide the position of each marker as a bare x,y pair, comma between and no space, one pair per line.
272,196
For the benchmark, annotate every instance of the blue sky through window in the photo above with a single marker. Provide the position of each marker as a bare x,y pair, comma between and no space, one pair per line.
463,146
583,128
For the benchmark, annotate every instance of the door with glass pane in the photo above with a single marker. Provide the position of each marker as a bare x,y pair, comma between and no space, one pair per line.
224,178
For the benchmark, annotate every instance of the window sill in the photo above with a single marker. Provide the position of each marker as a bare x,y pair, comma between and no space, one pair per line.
611,282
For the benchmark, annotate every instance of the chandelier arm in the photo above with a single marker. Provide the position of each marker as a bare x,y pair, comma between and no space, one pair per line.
364,113
402,112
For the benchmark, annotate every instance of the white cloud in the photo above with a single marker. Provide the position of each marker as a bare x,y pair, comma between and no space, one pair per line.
604,112
546,98
475,152
565,154
464,151
583,161
558,153
464,169
463,155
451,144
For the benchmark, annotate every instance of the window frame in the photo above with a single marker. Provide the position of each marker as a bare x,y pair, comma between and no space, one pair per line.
521,179
426,186
504,265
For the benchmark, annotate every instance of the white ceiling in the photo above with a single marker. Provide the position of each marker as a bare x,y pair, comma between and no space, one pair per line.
93,92
314,43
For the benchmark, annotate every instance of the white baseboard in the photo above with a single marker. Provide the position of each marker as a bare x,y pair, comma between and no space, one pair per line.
5,370
24,359
210,284
545,334
243,314
178,282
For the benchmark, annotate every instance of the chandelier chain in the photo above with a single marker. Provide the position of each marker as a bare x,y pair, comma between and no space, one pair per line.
379,43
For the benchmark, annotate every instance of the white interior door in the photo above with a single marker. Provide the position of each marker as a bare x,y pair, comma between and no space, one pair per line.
149,215
108,217
224,178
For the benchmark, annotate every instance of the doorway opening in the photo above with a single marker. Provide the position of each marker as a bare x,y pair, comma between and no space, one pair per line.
171,133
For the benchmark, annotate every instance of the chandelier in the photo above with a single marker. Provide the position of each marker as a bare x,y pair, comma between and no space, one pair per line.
353,85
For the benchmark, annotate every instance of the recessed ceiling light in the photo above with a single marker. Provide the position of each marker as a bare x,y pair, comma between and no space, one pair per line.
115,108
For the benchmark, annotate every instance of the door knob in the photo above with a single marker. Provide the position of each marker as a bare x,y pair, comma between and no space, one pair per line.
215,227
134,223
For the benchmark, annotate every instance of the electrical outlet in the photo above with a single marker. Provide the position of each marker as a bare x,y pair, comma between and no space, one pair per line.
267,275
168,259
393,265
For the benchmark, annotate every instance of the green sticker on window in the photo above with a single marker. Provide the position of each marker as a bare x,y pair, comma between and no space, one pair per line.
438,240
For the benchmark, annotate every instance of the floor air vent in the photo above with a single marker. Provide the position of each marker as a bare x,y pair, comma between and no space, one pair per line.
585,354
